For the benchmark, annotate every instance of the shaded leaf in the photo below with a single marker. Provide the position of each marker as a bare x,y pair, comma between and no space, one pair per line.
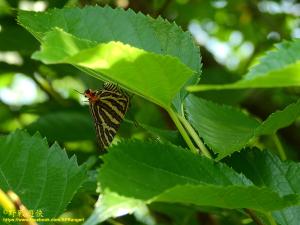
226,129
266,170
64,126
175,175
44,178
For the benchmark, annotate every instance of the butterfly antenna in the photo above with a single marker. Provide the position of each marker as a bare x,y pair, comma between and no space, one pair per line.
78,92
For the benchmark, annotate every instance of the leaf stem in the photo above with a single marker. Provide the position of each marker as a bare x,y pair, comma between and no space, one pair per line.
279,147
182,131
195,136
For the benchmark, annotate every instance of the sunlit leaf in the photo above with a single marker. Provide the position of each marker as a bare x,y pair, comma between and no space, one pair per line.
103,25
110,205
278,68
155,77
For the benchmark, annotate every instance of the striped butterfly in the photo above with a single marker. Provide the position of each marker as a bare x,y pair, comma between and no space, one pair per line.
108,107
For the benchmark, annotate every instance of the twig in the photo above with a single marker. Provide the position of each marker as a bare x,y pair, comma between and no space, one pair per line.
15,200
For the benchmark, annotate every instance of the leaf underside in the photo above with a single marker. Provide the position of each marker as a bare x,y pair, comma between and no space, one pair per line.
91,24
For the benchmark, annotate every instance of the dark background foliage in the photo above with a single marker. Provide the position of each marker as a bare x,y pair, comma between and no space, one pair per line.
231,35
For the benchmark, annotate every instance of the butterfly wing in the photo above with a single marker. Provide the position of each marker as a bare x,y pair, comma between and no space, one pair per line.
108,111
98,120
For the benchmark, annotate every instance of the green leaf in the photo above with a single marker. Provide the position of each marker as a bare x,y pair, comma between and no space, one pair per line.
175,175
266,170
280,119
44,178
103,25
286,52
223,128
226,129
64,126
155,77
278,68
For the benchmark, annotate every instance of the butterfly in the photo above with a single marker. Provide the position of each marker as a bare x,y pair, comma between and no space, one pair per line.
108,107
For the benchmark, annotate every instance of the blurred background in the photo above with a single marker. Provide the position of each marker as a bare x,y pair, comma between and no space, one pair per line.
231,35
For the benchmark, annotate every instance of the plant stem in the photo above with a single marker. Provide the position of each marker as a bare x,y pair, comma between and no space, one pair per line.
279,147
182,131
195,136
270,219
253,216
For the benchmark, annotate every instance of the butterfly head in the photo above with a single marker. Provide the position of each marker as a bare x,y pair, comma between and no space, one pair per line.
91,95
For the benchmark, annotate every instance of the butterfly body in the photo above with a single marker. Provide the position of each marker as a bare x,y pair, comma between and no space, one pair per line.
108,107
